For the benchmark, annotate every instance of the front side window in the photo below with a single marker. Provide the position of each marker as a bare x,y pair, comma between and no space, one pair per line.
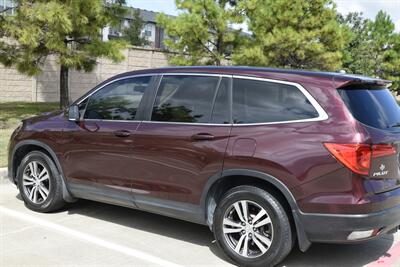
257,101
185,99
117,101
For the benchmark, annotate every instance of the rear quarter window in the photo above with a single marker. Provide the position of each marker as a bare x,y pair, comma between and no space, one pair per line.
256,101
375,107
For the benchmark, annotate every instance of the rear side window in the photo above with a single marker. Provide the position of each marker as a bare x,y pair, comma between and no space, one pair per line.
260,102
184,98
374,107
117,101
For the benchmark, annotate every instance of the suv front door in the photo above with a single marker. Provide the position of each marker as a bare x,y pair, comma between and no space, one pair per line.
182,143
99,153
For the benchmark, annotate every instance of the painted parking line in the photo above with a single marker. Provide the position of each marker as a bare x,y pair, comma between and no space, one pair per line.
86,237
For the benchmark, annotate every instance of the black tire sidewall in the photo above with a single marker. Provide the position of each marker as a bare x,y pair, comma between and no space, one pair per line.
54,181
282,235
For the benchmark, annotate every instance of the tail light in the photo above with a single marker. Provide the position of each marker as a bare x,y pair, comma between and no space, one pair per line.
357,157
383,150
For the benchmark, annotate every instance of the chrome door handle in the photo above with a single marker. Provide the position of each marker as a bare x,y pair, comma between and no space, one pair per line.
122,133
202,137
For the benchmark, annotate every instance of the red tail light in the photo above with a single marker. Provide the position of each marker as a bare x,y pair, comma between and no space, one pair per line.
383,150
357,157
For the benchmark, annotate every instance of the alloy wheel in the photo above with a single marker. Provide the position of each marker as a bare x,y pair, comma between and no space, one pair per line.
36,182
248,229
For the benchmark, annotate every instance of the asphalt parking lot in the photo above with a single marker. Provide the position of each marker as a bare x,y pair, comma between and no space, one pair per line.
94,234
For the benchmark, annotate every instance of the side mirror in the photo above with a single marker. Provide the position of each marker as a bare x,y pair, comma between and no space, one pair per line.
73,113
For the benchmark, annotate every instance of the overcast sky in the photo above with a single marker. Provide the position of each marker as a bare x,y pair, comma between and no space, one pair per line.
369,7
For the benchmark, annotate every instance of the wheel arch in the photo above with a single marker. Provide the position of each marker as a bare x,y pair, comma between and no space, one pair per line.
218,184
26,146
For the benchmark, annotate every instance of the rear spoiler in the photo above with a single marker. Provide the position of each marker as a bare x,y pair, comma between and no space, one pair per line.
351,81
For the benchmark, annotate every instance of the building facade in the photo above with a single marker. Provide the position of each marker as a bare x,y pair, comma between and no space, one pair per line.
7,5
153,33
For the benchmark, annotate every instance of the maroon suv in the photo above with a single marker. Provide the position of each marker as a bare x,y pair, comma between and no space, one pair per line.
264,157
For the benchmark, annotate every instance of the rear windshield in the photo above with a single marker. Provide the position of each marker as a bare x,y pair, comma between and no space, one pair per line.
374,107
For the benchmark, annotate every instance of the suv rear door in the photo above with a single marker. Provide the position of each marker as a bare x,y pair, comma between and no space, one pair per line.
270,118
182,141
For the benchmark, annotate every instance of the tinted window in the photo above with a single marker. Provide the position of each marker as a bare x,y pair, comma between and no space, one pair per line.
373,107
221,112
117,101
259,101
185,99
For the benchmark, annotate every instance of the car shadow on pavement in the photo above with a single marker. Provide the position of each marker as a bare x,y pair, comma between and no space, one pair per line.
317,255
152,223
350,255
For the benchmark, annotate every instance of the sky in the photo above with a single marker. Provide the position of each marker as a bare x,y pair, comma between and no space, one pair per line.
369,7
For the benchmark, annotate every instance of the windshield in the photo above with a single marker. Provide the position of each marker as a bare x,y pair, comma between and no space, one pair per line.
374,107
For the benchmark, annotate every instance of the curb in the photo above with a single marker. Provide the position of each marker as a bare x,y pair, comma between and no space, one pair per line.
3,173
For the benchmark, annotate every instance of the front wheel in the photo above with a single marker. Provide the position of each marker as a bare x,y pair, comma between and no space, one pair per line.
39,183
252,227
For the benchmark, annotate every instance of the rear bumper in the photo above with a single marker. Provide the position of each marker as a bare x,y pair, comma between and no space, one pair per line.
336,228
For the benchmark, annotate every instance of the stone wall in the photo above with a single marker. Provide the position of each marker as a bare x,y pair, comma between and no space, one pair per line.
45,87
14,86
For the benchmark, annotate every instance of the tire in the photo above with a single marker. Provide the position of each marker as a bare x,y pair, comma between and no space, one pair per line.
52,182
278,232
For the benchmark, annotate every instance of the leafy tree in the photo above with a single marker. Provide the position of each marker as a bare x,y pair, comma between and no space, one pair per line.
374,49
292,34
133,33
202,32
68,30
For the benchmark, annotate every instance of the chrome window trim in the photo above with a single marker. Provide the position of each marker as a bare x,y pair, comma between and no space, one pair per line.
195,74
188,123
322,115
113,120
152,74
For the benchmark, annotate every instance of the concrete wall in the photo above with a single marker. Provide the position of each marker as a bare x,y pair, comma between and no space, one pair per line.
45,87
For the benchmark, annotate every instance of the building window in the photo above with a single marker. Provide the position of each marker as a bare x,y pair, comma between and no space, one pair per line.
7,4
147,30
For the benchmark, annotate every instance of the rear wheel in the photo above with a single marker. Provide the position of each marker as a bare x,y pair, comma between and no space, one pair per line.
39,183
252,227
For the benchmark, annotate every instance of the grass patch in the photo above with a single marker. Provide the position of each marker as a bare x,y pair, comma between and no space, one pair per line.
11,113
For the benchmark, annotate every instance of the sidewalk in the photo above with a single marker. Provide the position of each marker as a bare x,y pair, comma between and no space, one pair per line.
3,173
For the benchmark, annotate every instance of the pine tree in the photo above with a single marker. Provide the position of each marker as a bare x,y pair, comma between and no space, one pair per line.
68,30
133,33
374,49
301,34
202,32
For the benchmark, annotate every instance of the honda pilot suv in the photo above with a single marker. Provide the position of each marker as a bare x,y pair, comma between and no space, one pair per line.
267,158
